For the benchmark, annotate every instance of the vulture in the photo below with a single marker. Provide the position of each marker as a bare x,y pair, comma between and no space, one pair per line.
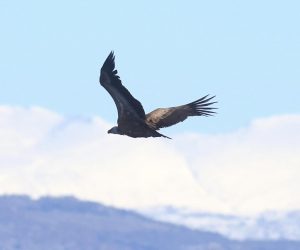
132,119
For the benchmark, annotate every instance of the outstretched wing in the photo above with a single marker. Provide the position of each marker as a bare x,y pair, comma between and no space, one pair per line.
127,105
165,117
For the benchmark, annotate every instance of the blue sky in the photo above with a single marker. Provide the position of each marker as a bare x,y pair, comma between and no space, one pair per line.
167,53
54,114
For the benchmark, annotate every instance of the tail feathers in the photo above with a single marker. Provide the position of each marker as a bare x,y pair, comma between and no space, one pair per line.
157,134
165,136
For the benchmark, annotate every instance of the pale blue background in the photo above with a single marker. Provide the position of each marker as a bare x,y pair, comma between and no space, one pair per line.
167,53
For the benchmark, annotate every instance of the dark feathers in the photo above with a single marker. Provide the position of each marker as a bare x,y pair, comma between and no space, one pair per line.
200,107
132,120
109,76
165,117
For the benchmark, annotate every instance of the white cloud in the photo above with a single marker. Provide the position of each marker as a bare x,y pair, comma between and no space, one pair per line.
250,170
254,169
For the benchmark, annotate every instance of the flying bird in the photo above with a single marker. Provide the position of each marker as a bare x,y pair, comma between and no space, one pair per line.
132,119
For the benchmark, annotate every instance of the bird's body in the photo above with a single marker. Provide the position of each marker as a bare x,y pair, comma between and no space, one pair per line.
132,120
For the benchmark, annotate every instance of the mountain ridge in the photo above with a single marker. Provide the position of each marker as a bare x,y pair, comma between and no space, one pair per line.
56,223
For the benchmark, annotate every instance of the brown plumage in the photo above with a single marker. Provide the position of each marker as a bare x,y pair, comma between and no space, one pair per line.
132,120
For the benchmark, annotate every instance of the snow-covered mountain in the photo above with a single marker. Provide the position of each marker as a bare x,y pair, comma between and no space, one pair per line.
271,225
70,224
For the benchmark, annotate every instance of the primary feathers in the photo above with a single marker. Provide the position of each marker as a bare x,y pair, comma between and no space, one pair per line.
132,120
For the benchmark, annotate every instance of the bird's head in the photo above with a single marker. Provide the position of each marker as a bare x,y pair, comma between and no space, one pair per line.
113,130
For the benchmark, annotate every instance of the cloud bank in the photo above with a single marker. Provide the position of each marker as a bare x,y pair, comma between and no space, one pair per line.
247,171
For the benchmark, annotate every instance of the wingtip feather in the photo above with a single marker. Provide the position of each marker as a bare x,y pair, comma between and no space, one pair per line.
201,106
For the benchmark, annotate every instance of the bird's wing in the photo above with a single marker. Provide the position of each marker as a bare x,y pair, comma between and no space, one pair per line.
165,117
128,107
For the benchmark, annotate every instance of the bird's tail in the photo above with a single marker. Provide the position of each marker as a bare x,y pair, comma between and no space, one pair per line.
156,134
